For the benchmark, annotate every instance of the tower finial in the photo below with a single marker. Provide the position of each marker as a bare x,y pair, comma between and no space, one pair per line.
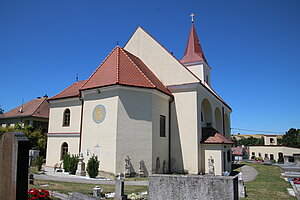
192,15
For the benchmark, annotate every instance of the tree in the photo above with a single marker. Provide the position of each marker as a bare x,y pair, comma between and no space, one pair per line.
291,138
36,137
1,111
248,141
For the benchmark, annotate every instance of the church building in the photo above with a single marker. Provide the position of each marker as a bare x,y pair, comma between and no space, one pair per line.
144,105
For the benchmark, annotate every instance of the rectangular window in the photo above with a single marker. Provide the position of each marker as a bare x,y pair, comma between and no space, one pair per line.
253,153
228,156
162,126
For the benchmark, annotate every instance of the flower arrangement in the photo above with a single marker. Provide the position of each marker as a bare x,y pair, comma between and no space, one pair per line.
34,194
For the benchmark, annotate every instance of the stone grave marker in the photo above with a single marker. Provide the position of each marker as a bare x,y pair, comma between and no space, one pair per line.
14,160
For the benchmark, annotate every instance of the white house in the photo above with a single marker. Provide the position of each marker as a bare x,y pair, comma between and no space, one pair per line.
143,103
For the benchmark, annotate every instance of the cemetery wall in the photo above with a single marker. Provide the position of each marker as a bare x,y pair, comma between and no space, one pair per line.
169,187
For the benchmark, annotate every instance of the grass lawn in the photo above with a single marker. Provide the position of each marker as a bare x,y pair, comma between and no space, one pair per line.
86,188
268,184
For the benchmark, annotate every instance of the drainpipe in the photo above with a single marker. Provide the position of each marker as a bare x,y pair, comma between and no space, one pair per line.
170,134
81,120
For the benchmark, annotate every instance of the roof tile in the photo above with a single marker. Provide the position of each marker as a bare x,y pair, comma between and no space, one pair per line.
212,136
71,91
193,51
121,67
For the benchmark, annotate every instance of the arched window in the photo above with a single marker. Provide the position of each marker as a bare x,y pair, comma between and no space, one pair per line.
66,119
64,150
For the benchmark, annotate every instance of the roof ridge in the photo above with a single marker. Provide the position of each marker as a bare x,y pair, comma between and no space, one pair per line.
99,66
117,63
153,85
39,105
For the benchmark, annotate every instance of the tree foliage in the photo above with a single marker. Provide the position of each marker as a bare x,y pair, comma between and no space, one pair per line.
291,138
248,141
36,137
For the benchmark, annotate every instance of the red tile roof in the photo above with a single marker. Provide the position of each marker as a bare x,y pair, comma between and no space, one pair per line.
237,150
36,108
71,91
123,68
193,51
212,136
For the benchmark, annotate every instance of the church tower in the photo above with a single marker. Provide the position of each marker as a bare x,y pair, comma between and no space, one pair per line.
194,58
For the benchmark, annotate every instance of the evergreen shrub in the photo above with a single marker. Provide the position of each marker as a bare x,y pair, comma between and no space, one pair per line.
66,162
93,167
73,164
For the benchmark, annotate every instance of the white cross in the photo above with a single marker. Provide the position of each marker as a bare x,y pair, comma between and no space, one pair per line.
192,16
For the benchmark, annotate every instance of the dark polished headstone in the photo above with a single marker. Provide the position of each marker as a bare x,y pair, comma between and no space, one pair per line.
14,156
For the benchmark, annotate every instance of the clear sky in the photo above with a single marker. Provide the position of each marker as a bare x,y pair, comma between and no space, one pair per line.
252,46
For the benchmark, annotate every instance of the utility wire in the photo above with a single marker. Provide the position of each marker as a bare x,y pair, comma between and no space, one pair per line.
260,131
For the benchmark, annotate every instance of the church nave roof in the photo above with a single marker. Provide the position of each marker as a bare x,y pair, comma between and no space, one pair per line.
123,68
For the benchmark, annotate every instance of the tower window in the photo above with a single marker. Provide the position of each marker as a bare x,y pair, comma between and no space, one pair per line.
162,125
66,119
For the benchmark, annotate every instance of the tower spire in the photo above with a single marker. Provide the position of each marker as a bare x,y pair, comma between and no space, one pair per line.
193,51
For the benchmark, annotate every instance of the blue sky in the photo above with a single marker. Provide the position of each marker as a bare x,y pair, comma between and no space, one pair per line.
252,46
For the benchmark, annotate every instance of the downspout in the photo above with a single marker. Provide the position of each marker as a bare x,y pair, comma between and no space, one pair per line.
81,120
170,134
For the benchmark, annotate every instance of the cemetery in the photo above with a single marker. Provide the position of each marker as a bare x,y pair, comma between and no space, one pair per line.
14,148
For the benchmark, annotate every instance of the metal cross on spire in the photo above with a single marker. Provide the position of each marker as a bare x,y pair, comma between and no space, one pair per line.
192,15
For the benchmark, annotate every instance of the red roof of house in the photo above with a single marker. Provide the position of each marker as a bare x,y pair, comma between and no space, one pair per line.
123,68
193,51
237,150
35,108
212,136
71,91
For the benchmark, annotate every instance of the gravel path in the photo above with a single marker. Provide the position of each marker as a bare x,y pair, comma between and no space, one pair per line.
249,173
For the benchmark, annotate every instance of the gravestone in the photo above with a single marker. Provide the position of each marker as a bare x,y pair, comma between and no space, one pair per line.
119,193
242,187
14,160
127,167
142,168
80,166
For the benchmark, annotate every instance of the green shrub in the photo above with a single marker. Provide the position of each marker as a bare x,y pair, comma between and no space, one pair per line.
73,164
66,162
93,167
39,162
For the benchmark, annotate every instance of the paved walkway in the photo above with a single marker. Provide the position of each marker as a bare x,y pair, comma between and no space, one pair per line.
60,176
249,173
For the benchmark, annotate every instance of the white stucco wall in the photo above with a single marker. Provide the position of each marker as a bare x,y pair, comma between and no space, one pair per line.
134,130
287,151
54,144
102,135
201,70
57,108
158,59
138,129
160,145
184,130
218,152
